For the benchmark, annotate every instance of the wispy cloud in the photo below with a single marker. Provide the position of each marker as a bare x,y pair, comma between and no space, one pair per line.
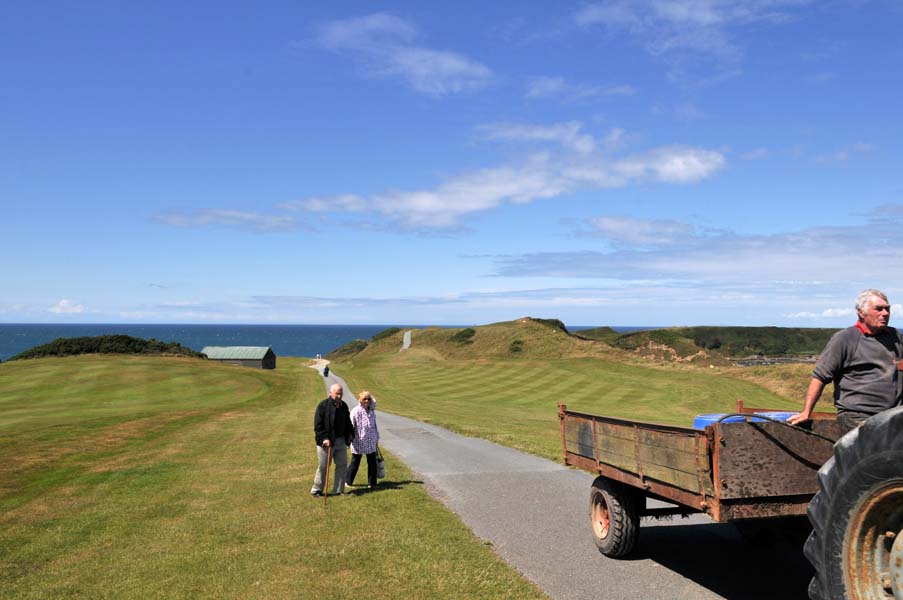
844,154
719,260
66,307
681,31
569,134
559,89
639,232
215,217
384,46
831,313
685,111
541,175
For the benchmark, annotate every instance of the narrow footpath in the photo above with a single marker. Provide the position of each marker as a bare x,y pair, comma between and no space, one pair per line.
534,513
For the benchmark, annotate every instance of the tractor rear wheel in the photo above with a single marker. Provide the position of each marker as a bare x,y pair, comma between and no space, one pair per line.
857,515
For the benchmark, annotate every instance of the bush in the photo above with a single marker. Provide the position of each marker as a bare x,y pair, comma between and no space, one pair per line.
106,344
553,323
516,346
465,336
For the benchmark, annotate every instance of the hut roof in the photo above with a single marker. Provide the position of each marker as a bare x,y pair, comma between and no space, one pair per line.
236,352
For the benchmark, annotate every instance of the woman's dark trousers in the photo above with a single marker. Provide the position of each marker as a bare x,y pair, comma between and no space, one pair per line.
356,462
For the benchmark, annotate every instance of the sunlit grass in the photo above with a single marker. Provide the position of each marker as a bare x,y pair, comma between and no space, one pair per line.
514,401
137,477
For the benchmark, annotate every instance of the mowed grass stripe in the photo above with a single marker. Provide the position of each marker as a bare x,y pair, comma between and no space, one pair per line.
514,401
217,504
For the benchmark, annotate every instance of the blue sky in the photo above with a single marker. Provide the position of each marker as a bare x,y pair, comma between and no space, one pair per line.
664,162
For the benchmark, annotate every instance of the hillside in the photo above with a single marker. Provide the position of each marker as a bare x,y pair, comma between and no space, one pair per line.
602,334
681,343
503,381
549,338
523,338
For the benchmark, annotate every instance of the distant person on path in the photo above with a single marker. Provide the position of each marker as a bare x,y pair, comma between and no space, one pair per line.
864,362
366,436
333,429
326,371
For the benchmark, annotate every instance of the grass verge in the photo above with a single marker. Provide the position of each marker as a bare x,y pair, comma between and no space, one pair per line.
134,477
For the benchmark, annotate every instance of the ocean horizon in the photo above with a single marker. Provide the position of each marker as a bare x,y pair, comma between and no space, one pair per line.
285,340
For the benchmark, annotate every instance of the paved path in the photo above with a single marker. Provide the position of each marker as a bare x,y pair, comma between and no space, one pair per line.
406,340
534,513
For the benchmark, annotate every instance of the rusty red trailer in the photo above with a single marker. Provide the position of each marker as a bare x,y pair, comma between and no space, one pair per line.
729,471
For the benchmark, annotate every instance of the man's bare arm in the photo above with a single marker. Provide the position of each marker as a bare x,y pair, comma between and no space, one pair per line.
812,395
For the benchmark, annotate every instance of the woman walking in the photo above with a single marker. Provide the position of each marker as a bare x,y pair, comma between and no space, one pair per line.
366,436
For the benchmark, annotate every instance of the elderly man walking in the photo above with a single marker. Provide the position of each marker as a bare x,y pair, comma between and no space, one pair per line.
863,362
333,430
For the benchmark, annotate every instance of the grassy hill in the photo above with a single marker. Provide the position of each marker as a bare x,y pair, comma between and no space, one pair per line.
602,334
520,339
529,337
478,384
730,342
153,477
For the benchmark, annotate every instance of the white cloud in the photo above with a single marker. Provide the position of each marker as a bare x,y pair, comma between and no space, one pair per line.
383,45
437,73
638,231
228,218
727,261
66,307
567,134
343,203
686,32
542,175
674,164
557,87
832,313
368,33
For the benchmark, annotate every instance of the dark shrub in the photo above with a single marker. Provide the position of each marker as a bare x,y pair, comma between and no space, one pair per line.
106,344
465,336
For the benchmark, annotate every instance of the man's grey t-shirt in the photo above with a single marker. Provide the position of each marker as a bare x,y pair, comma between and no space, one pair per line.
863,369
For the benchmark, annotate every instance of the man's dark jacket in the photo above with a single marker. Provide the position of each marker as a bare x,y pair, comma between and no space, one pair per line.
330,420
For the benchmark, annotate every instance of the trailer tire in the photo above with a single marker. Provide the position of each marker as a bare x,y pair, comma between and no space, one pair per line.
614,517
857,515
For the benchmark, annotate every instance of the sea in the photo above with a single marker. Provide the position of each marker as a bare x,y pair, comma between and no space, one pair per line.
285,340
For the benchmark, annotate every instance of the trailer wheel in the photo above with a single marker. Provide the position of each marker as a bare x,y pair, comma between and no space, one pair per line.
614,517
857,516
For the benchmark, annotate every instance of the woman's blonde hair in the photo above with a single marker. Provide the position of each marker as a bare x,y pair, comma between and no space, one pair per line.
363,395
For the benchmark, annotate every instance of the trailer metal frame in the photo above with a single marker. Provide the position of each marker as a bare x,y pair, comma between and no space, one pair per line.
729,471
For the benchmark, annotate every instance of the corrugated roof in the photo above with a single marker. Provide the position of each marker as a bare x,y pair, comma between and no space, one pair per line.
235,352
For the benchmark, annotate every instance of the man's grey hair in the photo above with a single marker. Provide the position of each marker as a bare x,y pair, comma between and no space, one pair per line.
863,302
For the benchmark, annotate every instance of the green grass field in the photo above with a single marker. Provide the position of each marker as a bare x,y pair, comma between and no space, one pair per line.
143,477
514,401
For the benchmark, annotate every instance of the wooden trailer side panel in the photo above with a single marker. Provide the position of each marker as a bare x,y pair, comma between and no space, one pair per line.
673,456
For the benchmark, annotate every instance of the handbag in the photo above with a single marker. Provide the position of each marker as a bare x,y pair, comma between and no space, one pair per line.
380,465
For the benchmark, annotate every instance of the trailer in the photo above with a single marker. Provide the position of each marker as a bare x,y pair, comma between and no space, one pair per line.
751,470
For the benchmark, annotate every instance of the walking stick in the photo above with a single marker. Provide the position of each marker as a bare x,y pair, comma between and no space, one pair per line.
326,484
